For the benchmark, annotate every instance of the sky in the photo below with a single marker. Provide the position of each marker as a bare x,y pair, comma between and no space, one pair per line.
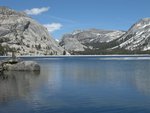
65,16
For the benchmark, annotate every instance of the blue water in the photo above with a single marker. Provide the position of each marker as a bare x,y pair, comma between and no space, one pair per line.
100,84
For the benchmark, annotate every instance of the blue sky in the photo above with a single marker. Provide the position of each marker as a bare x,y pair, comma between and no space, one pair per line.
64,16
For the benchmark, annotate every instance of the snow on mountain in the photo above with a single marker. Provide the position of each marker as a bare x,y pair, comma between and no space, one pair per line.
78,40
137,37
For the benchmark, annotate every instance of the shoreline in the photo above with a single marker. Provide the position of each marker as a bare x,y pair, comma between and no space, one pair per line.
137,55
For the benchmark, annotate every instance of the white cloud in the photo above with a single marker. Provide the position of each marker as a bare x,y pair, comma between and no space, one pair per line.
53,27
36,11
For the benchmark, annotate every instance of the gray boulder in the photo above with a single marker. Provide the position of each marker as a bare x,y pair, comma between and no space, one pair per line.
22,66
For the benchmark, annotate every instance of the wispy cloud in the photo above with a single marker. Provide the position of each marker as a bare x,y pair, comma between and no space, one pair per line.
53,27
63,19
36,11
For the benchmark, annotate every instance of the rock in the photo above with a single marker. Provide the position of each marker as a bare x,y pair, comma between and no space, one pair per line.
25,35
71,44
22,66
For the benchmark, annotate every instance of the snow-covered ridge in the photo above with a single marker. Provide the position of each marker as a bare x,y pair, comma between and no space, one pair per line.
138,36
77,40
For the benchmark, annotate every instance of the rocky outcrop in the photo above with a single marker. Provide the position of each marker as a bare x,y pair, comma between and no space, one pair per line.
25,35
22,66
16,64
71,44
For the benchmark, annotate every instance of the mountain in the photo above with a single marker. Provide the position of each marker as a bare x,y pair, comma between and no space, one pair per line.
25,35
137,37
81,40
135,41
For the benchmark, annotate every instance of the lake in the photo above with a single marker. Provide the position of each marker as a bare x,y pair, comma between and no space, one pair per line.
91,84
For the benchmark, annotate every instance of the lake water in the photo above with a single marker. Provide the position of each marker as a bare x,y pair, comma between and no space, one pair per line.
99,84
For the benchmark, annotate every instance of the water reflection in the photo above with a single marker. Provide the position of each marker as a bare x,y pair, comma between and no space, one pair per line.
14,84
142,77
110,74
78,86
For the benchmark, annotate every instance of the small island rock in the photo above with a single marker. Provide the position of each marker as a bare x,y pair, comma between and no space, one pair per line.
22,66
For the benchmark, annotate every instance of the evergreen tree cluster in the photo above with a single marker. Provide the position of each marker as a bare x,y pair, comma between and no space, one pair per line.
104,49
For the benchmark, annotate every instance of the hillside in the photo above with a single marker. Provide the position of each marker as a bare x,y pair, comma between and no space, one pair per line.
25,35
88,39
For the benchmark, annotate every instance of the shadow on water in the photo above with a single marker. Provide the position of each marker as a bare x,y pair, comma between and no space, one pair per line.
14,84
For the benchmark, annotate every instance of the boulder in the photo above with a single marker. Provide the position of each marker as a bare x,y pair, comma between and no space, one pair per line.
22,66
